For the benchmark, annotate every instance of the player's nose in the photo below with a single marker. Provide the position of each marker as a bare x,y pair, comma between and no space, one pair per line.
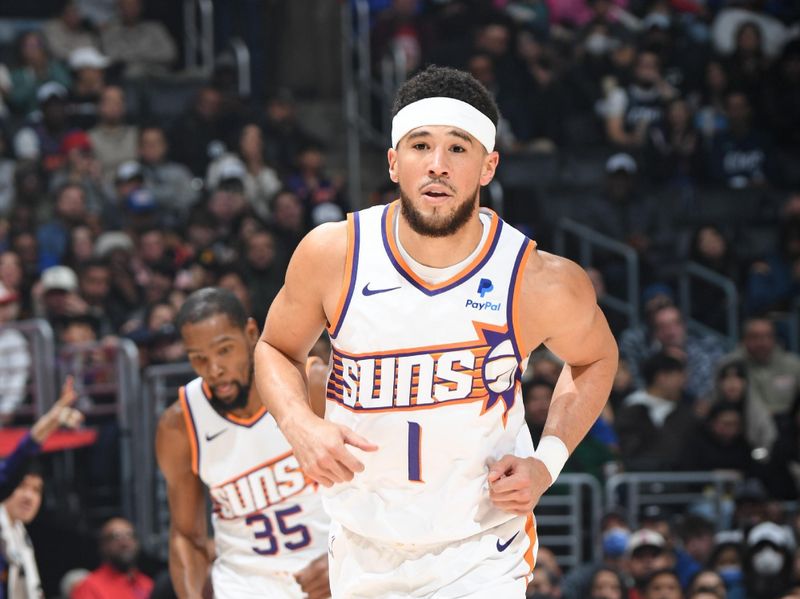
439,162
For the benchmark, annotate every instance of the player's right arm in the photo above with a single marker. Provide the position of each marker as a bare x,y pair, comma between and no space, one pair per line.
296,318
189,560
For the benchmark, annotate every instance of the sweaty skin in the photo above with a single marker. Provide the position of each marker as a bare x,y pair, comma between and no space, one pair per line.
558,309
222,351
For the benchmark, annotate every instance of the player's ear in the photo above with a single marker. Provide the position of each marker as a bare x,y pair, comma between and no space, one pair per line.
391,156
490,162
251,331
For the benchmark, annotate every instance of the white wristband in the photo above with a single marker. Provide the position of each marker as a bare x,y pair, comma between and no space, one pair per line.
552,452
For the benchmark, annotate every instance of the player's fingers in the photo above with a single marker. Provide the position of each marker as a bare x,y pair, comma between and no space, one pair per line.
510,483
335,469
318,475
356,440
317,587
501,467
349,461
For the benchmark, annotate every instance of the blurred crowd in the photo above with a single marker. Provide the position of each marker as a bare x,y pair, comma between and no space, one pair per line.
639,118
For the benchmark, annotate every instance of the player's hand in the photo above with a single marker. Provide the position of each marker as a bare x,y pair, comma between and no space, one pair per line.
313,579
61,414
516,484
319,447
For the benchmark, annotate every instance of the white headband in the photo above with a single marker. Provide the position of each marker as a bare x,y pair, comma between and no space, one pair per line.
444,111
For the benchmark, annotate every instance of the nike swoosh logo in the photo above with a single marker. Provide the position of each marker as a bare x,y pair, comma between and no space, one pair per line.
215,435
503,546
368,291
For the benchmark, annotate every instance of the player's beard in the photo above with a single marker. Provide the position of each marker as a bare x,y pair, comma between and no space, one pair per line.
239,402
439,225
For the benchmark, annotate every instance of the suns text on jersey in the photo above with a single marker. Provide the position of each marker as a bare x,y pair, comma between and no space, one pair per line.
262,487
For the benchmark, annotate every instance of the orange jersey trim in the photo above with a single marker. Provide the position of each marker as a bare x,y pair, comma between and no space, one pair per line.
190,429
530,531
348,275
515,299
401,262
236,419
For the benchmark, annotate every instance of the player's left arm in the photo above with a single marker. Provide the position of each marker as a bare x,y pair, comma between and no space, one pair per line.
558,307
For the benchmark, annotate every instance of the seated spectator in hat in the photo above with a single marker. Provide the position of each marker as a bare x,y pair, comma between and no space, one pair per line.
706,581
35,67
741,157
768,561
117,577
140,211
113,140
15,355
662,584
654,424
88,67
144,47
56,295
42,137
66,32
647,554
82,168
773,373
171,182
622,211
53,236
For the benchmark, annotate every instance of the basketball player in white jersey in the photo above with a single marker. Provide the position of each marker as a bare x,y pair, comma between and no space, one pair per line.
433,306
270,531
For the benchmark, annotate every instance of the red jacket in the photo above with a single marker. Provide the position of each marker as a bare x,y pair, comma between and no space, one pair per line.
109,583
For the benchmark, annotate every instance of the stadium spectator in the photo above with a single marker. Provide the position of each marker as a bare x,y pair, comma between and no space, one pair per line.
311,183
726,561
144,47
35,67
15,356
711,117
201,133
170,182
628,111
88,71
782,101
263,270
82,169
95,289
12,276
673,148
741,156
113,141
720,444
288,219
607,583
774,373
233,280
53,236
536,396
731,385
696,544
65,32
662,584
654,424
545,585
284,136
706,581
647,554
7,168
768,561
42,138
748,64
773,281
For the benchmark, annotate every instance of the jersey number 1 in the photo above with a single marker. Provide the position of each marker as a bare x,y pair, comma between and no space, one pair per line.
414,451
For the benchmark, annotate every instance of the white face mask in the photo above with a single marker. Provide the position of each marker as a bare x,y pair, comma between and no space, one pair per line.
768,561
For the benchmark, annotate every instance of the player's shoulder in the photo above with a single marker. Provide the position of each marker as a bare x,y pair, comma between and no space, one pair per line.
551,278
172,421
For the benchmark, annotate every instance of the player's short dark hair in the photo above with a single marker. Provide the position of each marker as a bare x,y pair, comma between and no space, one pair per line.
658,364
210,301
445,82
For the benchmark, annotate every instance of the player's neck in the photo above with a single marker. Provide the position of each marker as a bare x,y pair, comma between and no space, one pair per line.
253,405
441,252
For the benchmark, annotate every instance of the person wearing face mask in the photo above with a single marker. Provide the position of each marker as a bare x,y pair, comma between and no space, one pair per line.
768,561
726,560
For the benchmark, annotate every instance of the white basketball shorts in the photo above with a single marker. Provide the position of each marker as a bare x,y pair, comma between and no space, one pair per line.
494,564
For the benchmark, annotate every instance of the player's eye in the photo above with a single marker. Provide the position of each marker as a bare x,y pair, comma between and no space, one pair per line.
458,149
420,146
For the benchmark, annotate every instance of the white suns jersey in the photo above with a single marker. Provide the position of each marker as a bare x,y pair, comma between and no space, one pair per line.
267,515
430,374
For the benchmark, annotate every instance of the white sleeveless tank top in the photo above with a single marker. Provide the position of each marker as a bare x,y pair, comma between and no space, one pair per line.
431,374
267,515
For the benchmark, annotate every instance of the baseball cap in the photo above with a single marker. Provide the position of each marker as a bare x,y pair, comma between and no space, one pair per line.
327,212
87,57
59,278
112,241
130,169
76,140
656,20
141,201
51,89
621,162
768,532
644,537
7,296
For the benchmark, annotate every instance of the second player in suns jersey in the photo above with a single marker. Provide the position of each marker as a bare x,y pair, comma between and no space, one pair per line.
432,371
267,516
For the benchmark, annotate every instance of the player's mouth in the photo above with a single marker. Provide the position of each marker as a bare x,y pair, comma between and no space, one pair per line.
436,194
224,389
